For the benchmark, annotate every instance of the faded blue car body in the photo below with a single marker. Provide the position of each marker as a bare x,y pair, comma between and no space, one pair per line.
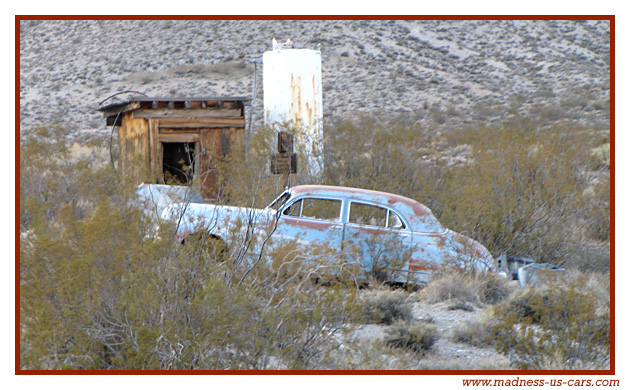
356,221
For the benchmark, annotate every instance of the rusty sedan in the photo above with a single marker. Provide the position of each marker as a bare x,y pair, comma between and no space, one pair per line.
367,226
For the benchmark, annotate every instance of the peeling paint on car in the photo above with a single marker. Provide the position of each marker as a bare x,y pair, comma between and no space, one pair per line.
427,244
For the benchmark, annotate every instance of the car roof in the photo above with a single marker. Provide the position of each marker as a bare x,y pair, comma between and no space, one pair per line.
405,204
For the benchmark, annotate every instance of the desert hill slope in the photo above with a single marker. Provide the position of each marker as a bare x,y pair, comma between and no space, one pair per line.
437,73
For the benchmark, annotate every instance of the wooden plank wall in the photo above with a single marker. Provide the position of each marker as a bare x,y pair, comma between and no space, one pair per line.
215,144
133,148
155,152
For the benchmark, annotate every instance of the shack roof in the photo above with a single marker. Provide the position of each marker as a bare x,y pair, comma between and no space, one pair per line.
136,102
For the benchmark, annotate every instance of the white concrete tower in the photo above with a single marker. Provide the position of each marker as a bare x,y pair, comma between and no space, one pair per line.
292,84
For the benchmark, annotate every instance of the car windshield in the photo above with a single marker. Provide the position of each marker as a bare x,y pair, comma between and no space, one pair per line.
280,201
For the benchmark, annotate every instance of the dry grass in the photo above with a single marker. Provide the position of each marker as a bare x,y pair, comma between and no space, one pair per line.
480,289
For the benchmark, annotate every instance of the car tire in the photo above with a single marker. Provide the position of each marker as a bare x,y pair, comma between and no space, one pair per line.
207,246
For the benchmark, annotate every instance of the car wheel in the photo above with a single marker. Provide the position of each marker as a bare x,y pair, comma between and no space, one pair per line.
206,246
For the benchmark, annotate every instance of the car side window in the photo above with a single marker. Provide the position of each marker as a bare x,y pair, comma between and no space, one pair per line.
394,221
321,209
294,210
365,214
370,215
315,208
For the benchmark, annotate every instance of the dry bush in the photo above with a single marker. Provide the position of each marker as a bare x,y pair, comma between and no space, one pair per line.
521,192
601,156
477,289
518,189
387,253
379,159
554,327
478,332
597,210
53,179
245,176
418,337
387,307
562,325
460,305
596,284
98,289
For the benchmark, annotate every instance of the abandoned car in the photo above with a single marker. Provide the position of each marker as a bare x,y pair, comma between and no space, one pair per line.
366,226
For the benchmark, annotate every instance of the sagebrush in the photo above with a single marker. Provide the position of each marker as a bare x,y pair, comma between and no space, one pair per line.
99,289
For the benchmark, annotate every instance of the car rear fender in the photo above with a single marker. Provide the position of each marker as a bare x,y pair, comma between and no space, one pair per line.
220,221
448,248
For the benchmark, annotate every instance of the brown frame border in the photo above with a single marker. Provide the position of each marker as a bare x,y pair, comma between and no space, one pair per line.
611,18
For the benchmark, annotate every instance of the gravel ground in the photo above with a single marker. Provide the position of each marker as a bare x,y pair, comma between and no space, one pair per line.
446,353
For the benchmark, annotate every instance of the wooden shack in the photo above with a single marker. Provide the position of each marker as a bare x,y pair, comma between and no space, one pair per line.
177,141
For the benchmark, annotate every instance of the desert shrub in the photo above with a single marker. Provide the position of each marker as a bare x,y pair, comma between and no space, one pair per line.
387,307
105,297
555,327
595,283
245,177
54,180
381,159
99,289
478,289
460,305
597,210
418,337
387,253
478,332
601,156
518,188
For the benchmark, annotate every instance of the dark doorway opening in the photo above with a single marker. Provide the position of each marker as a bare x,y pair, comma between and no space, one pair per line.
178,162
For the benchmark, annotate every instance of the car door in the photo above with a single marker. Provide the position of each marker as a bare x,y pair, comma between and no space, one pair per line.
377,237
311,220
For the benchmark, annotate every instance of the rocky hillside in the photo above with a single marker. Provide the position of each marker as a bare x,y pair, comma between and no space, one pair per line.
440,73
